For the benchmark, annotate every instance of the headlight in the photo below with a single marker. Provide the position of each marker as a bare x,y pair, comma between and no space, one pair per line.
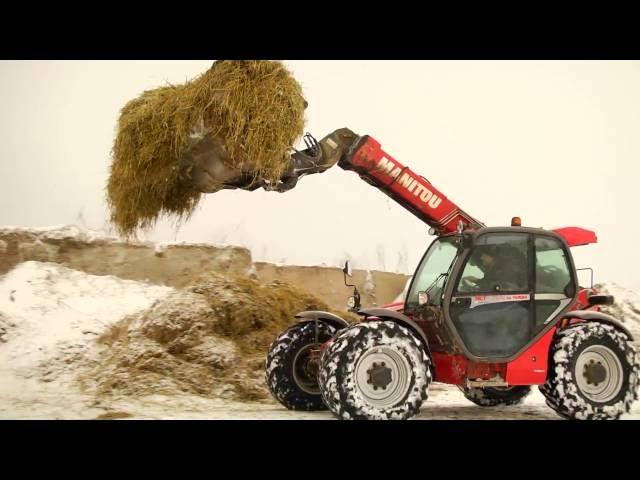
351,302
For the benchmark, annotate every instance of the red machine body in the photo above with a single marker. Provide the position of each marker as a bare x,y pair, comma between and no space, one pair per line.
430,205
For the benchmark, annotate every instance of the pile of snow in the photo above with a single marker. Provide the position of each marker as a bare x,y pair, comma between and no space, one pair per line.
50,317
70,339
626,307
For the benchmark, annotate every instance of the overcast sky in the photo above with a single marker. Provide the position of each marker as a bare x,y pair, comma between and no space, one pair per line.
557,143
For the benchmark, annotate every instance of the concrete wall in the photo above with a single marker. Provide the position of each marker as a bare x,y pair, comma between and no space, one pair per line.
177,265
328,283
173,265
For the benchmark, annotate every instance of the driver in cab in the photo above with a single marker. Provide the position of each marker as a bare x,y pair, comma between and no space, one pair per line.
502,270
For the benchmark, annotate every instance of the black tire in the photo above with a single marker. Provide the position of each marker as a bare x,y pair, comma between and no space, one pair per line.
496,396
287,378
573,372
401,366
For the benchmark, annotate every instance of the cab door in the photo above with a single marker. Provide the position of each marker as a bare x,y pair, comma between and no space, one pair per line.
492,309
555,285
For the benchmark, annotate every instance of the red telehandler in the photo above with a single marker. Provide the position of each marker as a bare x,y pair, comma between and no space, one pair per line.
493,310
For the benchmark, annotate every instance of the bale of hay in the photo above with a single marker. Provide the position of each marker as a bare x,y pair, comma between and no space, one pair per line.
251,111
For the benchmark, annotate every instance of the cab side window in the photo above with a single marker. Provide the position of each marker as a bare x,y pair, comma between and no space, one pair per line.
498,263
552,267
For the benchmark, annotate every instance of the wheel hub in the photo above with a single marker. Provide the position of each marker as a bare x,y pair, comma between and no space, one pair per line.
379,375
594,372
383,376
305,369
599,374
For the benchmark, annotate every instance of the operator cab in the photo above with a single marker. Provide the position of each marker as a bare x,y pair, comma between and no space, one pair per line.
490,293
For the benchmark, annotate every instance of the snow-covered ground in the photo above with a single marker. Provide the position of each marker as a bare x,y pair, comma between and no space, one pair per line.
50,317
445,403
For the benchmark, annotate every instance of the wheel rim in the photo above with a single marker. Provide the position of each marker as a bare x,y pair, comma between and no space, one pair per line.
599,373
383,376
305,377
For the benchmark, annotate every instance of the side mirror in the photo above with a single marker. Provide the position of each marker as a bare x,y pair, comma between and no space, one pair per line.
423,298
353,302
347,272
347,269
601,300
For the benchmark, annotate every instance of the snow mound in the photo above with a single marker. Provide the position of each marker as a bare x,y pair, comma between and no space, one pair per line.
626,307
70,341
49,318
52,308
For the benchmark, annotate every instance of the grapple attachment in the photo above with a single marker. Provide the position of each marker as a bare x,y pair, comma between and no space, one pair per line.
209,170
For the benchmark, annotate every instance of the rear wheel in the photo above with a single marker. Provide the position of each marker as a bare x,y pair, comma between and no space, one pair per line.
496,396
593,373
376,370
292,371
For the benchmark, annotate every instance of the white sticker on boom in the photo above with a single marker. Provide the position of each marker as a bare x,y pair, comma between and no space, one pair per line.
478,300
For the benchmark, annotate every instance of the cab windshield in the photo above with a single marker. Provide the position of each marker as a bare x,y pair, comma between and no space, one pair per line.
432,271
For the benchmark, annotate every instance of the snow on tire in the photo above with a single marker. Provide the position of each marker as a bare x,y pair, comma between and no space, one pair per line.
289,374
593,373
375,370
496,396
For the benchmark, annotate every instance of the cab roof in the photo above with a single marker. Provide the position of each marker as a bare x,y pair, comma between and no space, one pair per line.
573,236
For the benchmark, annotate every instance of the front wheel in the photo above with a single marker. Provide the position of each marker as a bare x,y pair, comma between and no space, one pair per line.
376,370
593,373
496,396
292,371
